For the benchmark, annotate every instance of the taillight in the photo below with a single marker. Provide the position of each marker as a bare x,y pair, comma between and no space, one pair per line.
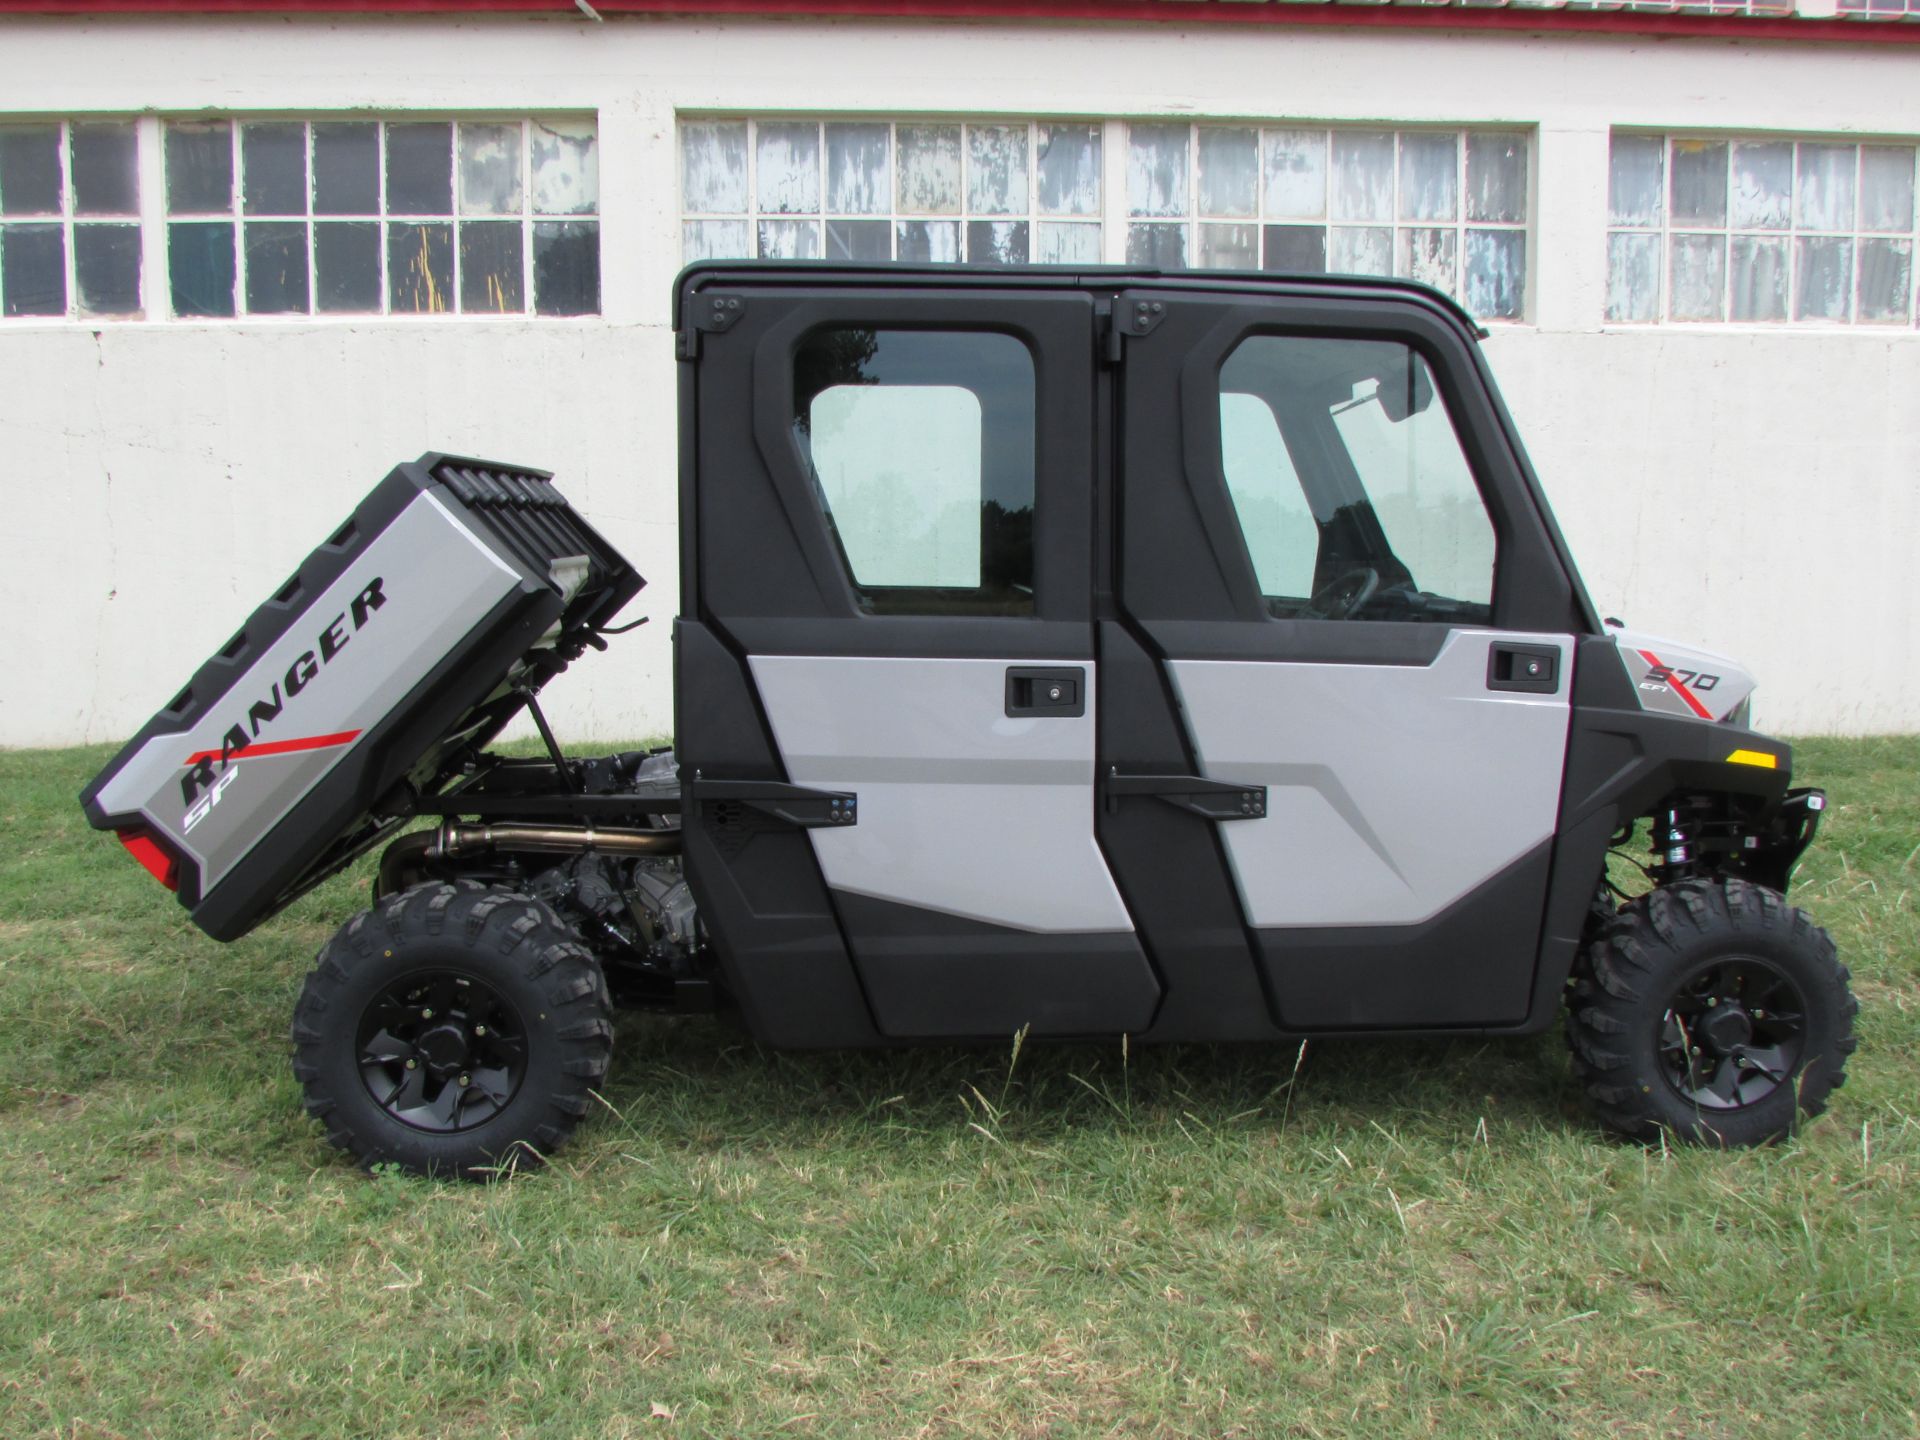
157,863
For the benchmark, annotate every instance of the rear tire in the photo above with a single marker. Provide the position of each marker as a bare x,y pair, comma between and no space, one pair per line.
1711,1010
452,1030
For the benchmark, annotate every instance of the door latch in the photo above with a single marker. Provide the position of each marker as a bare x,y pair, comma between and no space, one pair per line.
1531,669
1046,690
1197,795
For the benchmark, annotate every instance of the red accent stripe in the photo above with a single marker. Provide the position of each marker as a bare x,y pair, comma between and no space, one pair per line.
1679,686
276,747
1866,30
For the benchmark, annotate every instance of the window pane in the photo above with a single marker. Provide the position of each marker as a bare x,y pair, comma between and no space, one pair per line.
420,170
346,169
566,267
1229,172
419,269
1067,158
996,242
492,266
1353,250
105,181
1886,188
1160,247
789,239
1430,256
1282,540
1496,273
713,167
1886,280
859,180
199,156
106,265
1431,555
273,163
276,267
1156,170
1064,244
922,445
859,240
788,159
1296,174
1826,187
1296,249
1229,247
1362,178
33,270
490,170
1635,180
714,240
928,161
1429,177
29,170
1762,186
997,169
200,268
1697,277
1826,278
1699,190
566,172
1633,277
346,264
1759,277
1497,178
935,241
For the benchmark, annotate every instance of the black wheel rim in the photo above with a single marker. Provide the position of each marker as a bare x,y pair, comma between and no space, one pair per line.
441,1051
1732,1034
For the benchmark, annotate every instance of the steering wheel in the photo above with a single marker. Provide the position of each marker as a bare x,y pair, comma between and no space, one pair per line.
1343,595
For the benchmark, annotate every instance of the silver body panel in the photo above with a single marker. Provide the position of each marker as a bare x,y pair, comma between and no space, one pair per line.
1393,790
436,579
963,810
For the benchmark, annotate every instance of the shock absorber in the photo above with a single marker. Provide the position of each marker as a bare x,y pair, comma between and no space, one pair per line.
1673,842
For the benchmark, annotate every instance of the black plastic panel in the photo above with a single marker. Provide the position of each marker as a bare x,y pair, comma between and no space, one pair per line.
934,976
1471,966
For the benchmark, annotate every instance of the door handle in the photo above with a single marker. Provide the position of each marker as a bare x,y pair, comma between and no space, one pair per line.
795,805
1197,795
1530,669
1046,690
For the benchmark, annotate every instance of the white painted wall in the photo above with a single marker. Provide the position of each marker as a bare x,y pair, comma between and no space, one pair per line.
1750,489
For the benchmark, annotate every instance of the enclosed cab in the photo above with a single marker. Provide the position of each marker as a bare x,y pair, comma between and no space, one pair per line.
1076,655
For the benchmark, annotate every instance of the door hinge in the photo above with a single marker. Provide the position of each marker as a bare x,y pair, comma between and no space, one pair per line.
708,314
1130,316
795,805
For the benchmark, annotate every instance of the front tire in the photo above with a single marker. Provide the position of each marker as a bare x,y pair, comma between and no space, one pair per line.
453,1030
1711,1010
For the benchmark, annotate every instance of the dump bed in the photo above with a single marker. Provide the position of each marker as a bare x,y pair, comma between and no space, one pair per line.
454,591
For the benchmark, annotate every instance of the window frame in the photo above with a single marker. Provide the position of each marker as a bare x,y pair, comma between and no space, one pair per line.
70,221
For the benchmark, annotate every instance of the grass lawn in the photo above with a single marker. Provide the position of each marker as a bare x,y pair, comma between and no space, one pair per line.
1400,1239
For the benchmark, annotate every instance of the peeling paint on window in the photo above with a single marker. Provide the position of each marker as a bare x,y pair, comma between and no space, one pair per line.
1886,188
1886,280
1496,178
1824,283
997,242
1762,186
1062,244
928,166
790,239
1633,277
1429,177
713,168
1636,181
1826,187
1360,250
1067,158
1698,277
1157,171
1429,256
713,240
1496,271
931,240
490,170
1759,279
997,171
859,176
1296,174
1163,247
1697,183
1229,173
1229,247
1362,176
787,165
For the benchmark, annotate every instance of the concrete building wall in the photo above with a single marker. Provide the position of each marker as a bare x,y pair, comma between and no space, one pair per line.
1749,488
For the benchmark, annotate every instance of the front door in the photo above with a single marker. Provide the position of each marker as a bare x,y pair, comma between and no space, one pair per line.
1331,566
887,683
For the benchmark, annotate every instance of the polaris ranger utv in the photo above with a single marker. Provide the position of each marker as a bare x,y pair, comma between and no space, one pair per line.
1092,653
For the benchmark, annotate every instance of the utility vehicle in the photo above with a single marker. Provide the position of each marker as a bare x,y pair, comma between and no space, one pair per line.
1089,653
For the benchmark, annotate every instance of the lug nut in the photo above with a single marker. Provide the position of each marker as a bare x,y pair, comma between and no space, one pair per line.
413,1064
464,1080
427,1014
479,1029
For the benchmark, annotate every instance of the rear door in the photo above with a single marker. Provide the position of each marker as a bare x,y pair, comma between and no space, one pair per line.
1330,554
886,676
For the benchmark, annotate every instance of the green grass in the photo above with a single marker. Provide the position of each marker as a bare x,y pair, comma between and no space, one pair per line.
1400,1239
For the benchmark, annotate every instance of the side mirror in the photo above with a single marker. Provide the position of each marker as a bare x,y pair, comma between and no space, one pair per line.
1406,389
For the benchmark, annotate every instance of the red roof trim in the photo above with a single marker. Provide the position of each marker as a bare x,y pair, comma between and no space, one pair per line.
1382,16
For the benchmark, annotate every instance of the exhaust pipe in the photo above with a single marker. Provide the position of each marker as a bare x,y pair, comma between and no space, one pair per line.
452,839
